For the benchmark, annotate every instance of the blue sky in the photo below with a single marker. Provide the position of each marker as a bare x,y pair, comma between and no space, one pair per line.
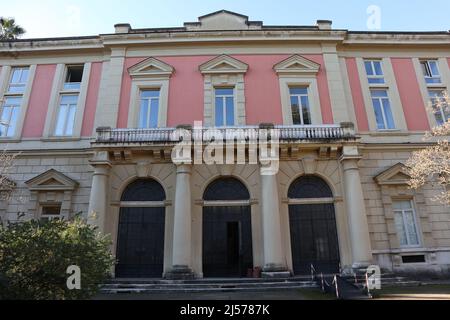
51,18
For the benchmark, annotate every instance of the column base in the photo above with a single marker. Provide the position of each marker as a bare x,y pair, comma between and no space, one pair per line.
274,270
180,273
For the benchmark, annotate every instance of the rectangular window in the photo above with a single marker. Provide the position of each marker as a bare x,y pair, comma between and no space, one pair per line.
19,78
374,71
74,75
149,109
66,115
300,106
9,113
224,106
51,211
430,71
382,109
405,223
439,104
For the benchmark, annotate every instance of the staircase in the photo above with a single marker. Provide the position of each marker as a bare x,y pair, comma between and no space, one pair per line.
204,285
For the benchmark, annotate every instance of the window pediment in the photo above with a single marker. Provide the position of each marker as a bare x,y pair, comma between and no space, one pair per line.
51,180
150,68
223,64
297,65
395,175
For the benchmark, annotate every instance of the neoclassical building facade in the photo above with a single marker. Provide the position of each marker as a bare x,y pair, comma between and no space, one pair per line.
93,121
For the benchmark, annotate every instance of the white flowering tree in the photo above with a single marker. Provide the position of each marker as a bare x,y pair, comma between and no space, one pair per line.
432,164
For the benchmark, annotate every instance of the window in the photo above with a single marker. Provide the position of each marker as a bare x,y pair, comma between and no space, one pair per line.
374,71
300,106
224,106
51,211
18,82
66,115
382,109
438,103
405,223
149,110
430,71
9,115
74,75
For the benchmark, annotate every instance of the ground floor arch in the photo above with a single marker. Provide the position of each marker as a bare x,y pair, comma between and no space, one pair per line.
312,225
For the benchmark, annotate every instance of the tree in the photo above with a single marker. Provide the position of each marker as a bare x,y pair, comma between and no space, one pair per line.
432,164
35,256
6,185
9,30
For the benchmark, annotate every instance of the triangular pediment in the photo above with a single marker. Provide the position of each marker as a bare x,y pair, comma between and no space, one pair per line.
395,175
223,64
223,20
149,68
297,64
51,180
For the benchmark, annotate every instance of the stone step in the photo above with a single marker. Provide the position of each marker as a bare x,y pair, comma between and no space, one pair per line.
194,289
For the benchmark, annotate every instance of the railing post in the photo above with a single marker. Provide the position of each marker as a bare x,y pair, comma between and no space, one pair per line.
348,129
336,286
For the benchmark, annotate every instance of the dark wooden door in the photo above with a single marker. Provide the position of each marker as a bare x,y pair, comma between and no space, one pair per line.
227,241
140,244
314,238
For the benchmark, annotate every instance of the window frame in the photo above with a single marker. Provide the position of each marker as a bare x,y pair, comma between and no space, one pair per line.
50,217
22,84
415,221
427,73
66,118
374,75
440,110
6,74
66,73
8,124
149,105
383,113
224,106
298,96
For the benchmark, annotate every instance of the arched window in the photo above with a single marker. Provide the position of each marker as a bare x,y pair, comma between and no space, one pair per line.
226,189
309,186
144,190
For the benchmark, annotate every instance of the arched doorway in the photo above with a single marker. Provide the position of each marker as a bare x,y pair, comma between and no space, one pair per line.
227,231
312,226
140,242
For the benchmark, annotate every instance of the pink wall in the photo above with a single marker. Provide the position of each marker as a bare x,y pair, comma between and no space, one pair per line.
357,95
410,95
91,99
448,60
40,95
262,92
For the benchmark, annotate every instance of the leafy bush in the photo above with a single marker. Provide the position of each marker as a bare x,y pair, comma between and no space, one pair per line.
34,256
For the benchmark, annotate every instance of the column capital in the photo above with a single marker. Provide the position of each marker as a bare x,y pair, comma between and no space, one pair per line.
184,168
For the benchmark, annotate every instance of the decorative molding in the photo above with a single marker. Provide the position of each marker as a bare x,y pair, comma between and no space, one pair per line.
297,65
395,175
151,68
223,64
51,180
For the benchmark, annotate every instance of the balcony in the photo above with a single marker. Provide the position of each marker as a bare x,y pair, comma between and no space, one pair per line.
294,133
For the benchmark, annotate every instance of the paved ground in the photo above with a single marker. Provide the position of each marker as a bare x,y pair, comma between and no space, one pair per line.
426,292
301,294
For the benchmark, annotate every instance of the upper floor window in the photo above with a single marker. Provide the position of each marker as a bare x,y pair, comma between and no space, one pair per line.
300,105
66,115
19,78
224,106
9,112
430,71
382,109
74,75
374,71
149,108
439,105
405,223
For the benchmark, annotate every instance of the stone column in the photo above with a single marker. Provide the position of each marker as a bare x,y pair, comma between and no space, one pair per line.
274,262
99,191
356,210
181,259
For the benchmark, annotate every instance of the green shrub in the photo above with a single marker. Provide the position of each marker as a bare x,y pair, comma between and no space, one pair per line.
34,256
